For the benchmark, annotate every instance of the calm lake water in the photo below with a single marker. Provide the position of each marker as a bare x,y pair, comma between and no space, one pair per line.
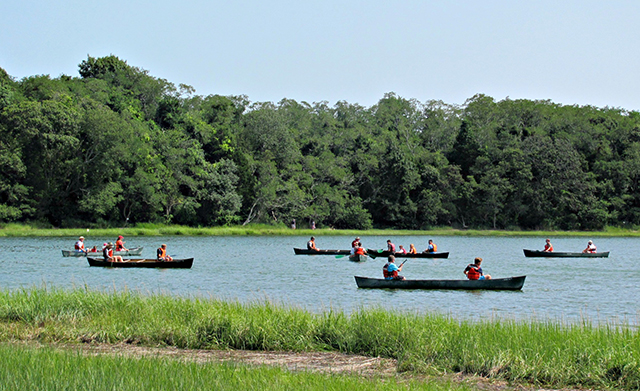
249,269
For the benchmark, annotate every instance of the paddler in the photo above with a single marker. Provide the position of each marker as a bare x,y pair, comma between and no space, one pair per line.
120,244
107,253
311,244
548,247
473,271
79,246
162,254
591,248
390,269
431,248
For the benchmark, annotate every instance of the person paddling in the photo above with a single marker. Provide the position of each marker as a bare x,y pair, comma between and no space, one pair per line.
162,254
79,246
311,244
390,269
412,249
120,244
391,247
431,248
107,253
591,248
548,247
473,271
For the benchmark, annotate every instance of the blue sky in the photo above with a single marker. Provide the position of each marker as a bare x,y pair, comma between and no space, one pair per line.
570,52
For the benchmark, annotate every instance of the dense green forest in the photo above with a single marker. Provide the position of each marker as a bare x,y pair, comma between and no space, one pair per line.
117,146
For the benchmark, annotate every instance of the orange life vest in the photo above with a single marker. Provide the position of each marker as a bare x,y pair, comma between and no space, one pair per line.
387,274
473,273
359,251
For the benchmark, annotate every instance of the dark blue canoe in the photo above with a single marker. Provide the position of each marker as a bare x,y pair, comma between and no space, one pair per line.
510,284
558,254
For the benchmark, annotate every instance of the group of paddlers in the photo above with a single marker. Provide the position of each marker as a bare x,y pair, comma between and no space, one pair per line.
390,270
356,247
108,249
591,248
79,246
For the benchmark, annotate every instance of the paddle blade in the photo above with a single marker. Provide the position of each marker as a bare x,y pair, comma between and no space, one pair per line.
341,256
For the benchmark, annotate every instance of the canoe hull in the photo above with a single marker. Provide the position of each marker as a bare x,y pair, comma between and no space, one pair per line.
375,253
357,258
556,254
511,284
304,251
130,252
143,263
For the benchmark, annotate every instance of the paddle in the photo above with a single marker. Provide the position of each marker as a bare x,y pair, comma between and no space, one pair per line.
342,255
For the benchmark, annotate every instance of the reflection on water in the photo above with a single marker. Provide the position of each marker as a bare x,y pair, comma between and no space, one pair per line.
265,268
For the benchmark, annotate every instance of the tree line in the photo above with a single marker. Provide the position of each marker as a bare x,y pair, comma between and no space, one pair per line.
116,145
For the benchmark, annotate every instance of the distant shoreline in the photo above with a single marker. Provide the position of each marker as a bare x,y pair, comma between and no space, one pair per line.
18,230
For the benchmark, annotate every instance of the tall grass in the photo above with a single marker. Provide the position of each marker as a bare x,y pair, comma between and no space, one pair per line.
147,229
47,369
545,353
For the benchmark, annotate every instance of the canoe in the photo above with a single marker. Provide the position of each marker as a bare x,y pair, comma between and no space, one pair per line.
380,253
557,254
511,284
175,264
74,253
304,251
357,258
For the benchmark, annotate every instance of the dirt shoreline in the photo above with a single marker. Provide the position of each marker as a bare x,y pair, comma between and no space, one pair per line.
321,362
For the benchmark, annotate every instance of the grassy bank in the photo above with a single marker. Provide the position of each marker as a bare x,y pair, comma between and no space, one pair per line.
48,369
547,354
21,230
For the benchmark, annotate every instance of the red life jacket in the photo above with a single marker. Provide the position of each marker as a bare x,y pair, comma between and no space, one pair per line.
473,273
387,274
359,251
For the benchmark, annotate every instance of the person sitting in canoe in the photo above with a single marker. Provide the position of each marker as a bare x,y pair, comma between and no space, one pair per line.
473,271
107,253
391,247
79,246
591,248
402,250
355,244
548,247
431,248
412,249
360,251
390,269
162,254
311,244
120,244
